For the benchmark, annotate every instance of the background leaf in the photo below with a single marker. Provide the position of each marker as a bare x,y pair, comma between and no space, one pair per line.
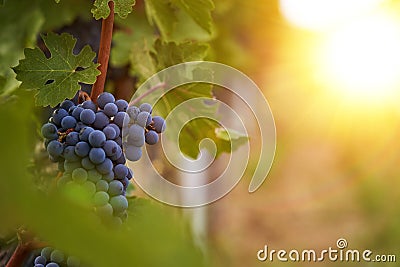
199,11
56,77
121,7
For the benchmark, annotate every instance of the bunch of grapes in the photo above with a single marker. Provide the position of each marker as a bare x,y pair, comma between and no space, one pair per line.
141,128
86,141
50,257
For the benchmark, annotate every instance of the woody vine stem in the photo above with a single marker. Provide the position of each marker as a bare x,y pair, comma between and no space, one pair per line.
26,245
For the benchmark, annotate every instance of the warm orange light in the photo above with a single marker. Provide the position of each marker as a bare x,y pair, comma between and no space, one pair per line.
324,14
362,60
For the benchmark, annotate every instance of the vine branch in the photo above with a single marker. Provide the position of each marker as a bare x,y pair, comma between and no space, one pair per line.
151,90
104,53
26,244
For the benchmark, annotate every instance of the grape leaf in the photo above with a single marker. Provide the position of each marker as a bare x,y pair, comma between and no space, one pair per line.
56,77
199,10
17,32
121,7
168,16
169,54
162,14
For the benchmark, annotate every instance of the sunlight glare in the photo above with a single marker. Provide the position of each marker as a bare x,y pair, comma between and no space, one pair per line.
363,59
324,14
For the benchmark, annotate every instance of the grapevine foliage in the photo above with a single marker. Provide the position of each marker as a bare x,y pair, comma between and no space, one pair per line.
56,77
102,10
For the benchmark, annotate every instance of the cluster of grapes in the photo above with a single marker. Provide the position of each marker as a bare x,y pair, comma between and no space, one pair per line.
141,128
85,140
50,257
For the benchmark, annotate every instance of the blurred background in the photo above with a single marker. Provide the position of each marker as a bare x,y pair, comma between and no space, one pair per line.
330,71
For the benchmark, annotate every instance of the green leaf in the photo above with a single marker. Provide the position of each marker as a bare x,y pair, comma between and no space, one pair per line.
16,33
199,10
56,77
135,31
143,63
121,7
162,14
169,54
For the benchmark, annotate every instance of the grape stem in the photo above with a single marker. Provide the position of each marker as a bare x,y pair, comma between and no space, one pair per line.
26,244
151,90
104,53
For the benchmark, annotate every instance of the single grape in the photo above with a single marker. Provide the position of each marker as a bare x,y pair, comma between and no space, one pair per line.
58,115
146,107
121,118
108,177
101,120
135,133
46,252
115,188
63,180
57,256
102,185
110,109
79,175
112,148
143,119
82,149
97,155
104,99
88,104
72,138
84,133
116,128
105,167
89,187
110,132
39,265
52,264
133,153
55,148
94,176
87,163
119,203
40,260
133,111
67,104
97,138
49,131
68,122
100,198
139,142
69,154
159,124
151,137
120,171
121,104
87,116
105,211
